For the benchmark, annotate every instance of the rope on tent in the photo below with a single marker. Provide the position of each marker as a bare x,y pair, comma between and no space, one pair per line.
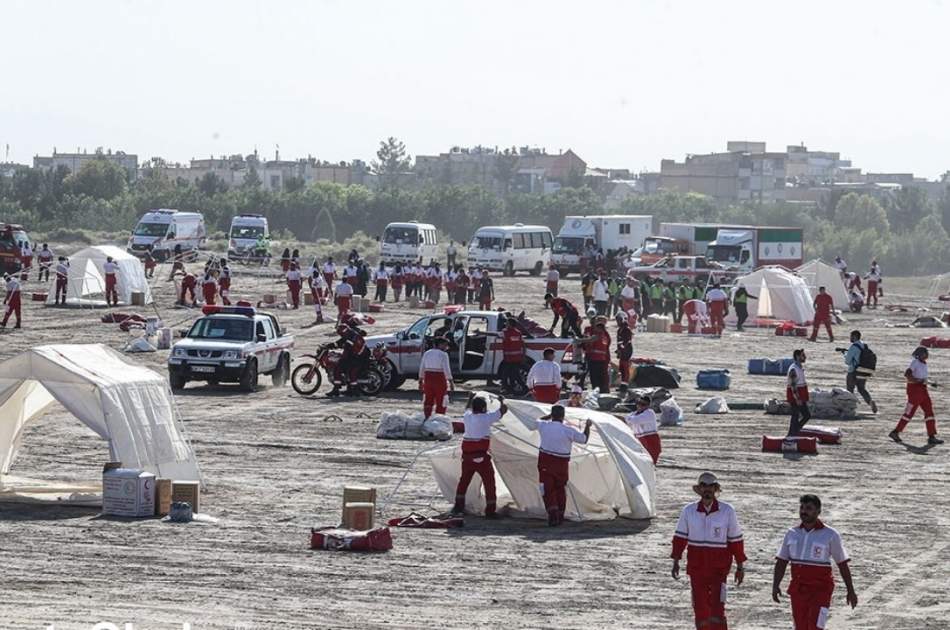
388,499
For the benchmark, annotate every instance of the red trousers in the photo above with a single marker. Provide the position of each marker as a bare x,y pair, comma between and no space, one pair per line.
872,292
209,291
60,289
709,598
484,304
111,296
624,366
553,475
551,288
187,289
329,278
477,462
224,290
343,305
434,390
717,316
294,286
810,604
819,320
651,443
13,308
546,393
918,398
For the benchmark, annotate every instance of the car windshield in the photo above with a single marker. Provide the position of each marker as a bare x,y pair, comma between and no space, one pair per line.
724,253
247,231
13,238
486,241
651,247
151,229
223,328
401,235
568,245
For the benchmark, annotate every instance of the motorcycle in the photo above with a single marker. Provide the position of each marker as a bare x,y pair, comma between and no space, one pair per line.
307,377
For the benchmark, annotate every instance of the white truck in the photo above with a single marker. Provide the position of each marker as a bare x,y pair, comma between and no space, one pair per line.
164,228
243,236
739,248
231,344
581,234
475,351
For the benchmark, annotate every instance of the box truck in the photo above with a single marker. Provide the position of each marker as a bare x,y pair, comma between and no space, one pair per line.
581,235
739,247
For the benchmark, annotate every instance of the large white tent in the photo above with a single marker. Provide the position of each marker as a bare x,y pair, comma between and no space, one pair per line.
127,405
779,294
612,475
818,273
87,285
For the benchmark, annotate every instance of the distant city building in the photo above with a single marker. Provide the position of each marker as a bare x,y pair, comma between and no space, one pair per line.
8,169
74,161
745,172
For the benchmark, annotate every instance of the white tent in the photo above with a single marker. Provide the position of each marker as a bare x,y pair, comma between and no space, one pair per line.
785,296
818,273
127,405
612,475
87,286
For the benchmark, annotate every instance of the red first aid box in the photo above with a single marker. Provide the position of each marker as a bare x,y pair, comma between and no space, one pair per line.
807,445
338,539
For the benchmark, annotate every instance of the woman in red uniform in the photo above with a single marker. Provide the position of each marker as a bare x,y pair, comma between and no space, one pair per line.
918,397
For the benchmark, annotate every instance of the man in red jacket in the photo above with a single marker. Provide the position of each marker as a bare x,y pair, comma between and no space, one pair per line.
512,347
709,532
188,285
598,355
823,304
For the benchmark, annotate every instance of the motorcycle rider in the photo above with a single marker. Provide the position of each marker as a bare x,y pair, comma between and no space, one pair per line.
352,361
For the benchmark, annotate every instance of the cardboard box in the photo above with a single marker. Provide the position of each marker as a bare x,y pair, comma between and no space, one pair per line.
163,497
189,492
359,494
358,516
308,299
138,298
40,297
128,492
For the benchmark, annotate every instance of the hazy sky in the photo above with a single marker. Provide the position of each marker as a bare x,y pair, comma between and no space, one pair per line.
622,83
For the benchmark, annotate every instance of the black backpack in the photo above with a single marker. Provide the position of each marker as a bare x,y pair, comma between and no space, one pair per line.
867,362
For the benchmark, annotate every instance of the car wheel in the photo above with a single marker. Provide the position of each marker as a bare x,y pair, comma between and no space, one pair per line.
279,376
396,381
249,377
538,266
177,382
509,269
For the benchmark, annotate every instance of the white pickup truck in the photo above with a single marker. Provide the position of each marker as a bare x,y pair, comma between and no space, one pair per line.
683,269
231,344
475,351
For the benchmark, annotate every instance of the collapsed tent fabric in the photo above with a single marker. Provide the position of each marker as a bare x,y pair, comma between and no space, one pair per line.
787,295
817,273
655,376
612,475
126,404
86,285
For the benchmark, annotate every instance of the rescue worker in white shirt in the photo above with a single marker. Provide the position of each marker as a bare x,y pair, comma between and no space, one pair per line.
11,300
554,276
450,254
476,454
62,279
874,278
45,258
796,393
709,532
811,547
841,266
600,294
643,422
329,272
435,378
224,282
294,282
318,289
209,286
918,397
382,282
544,378
344,300
111,270
554,458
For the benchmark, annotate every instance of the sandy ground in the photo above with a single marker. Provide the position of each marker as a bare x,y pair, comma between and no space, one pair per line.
275,466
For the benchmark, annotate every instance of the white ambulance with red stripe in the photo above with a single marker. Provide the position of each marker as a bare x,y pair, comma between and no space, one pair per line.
475,345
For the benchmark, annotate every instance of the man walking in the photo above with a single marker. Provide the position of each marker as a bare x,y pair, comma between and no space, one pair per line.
601,293
554,458
796,393
854,379
823,304
811,547
11,300
874,282
435,377
450,255
476,456
918,397
741,301
709,532
62,279
45,258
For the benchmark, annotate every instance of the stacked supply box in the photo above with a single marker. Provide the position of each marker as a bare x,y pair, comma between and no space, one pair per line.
128,492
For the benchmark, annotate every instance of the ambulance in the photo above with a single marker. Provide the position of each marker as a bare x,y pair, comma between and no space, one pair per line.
243,236
163,229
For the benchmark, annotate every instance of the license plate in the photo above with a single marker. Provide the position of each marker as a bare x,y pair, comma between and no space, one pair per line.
202,368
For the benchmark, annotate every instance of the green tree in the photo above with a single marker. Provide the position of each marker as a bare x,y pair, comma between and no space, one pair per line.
861,212
99,179
210,184
391,161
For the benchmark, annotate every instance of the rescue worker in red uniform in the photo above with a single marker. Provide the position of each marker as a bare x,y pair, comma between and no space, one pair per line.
294,281
718,303
554,459
554,276
148,260
598,355
823,305
461,286
354,356
643,422
486,292
624,347
11,300
709,532
544,378
435,378
796,393
111,270
62,279
811,548
512,347
45,259
188,285
344,299
209,288
224,282
566,313
476,453
918,397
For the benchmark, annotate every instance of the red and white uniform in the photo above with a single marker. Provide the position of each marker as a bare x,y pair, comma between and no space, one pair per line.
696,315
224,284
476,457
874,281
294,280
628,298
45,257
26,258
711,539
111,270
918,397
823,304
718,303
811,553
209,288
512,345
329,274
188,285
435,374
554,276
554,459
796,375
624,350
62,278
644,427
544,381
12,300
344,298
349,275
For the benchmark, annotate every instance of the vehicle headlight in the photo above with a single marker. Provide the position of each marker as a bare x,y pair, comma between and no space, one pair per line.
231,354
179,352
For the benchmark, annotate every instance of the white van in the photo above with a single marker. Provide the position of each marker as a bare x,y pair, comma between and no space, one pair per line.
163,229
244,232
511,248
408,242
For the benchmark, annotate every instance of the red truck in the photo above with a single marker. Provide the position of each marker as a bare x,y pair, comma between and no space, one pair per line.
11,235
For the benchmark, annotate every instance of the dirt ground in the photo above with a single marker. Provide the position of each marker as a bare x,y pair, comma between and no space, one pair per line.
275,465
